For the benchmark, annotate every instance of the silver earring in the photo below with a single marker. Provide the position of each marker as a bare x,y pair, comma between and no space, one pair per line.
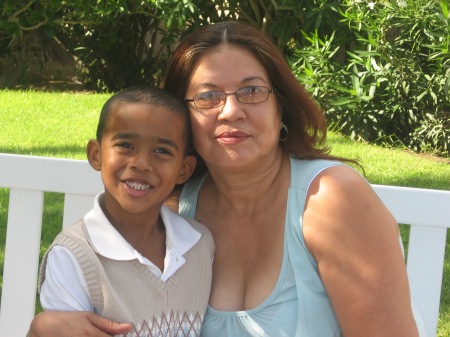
286,132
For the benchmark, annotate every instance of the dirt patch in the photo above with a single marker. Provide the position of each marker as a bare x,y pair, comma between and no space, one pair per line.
430,157
54,86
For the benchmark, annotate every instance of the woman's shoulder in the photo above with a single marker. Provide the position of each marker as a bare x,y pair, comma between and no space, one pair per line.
197,225
206,235
304,171
339,186
192,186
341,205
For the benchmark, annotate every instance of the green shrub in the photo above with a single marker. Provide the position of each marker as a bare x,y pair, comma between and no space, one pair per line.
385,77
433,135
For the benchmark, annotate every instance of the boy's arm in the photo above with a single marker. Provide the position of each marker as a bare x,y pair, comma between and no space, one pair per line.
64,287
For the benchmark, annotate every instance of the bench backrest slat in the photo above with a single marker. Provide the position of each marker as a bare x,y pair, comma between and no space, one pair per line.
28,177
417,206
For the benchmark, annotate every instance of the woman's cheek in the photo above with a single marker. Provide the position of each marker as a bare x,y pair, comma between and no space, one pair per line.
199,131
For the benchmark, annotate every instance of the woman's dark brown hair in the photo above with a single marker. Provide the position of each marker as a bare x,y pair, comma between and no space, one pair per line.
300,113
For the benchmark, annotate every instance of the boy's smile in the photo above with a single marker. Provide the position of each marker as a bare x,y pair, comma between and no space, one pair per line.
141,158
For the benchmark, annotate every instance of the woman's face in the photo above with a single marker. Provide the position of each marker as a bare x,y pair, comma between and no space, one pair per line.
236,134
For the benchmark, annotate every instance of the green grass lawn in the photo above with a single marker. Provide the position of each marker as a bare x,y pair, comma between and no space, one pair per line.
60,124
48,124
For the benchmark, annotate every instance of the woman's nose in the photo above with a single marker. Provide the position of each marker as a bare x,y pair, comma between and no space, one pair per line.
232,109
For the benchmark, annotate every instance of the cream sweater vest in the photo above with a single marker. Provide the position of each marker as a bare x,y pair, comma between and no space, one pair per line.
126,291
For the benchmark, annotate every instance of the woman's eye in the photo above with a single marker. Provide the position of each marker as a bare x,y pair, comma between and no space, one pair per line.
251,90
209,95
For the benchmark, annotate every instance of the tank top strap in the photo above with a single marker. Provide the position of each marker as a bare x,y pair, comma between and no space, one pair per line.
189,196
304,171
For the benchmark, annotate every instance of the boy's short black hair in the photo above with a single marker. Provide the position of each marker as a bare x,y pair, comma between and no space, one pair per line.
146,95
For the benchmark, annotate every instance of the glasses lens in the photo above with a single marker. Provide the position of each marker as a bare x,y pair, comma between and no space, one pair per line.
252,95
209,99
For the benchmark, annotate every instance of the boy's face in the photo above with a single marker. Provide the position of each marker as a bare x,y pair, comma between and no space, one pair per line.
141,157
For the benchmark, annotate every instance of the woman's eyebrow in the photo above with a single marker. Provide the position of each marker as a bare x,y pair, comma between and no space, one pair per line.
252,78
208,85
245,80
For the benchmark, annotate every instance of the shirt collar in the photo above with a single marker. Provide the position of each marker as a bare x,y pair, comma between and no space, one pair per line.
107,241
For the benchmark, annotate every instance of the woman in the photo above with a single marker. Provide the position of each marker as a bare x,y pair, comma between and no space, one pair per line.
304,247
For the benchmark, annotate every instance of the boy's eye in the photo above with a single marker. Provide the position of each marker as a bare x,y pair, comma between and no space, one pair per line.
125,145
162,151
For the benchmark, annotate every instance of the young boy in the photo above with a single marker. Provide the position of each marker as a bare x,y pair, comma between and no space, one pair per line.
130,259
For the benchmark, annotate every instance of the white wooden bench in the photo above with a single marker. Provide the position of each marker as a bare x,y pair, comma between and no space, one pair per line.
28,177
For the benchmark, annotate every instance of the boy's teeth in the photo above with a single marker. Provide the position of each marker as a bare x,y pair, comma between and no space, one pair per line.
136,186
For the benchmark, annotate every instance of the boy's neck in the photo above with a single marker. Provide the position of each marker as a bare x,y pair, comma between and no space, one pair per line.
145,232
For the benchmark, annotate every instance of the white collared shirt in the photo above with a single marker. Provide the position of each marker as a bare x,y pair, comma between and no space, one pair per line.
64,287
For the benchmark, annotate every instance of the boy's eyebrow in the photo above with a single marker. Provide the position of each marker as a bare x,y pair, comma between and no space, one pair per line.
168,142
129,135
125,135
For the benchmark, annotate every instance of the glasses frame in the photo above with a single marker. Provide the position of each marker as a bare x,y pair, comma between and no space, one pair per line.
269,91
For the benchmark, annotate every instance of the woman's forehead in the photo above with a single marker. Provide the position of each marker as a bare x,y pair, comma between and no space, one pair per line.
227,64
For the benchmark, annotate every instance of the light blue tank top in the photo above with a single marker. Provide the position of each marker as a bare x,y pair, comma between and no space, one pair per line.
299,305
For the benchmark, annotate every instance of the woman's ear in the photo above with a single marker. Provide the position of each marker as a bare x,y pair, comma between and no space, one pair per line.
94,154
187,168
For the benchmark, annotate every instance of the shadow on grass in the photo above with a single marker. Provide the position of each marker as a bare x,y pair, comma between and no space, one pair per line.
66,151
419,181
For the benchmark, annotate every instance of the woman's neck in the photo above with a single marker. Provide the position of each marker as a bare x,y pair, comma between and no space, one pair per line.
247,190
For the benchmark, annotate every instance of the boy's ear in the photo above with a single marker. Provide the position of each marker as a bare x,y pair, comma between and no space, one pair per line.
187,169
94,154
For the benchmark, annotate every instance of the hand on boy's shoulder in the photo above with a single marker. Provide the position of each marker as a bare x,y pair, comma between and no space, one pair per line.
172,200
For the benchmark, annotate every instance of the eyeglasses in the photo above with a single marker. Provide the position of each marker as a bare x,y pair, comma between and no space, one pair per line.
214,99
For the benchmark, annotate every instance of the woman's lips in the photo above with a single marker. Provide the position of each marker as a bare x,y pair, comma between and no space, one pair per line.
232,137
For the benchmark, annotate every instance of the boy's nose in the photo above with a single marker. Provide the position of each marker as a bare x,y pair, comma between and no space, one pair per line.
142,162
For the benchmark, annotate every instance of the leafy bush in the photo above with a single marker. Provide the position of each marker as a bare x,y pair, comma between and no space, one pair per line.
117,43
384,77
433,135
380,69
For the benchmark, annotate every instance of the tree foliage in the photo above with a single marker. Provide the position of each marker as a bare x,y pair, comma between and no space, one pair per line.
380,69
384,76
21,22
124,42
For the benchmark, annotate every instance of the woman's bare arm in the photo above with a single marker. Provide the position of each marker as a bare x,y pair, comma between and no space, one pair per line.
355,241
69,324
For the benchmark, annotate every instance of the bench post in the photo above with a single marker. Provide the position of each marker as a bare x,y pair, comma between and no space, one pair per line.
21,261
425,265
